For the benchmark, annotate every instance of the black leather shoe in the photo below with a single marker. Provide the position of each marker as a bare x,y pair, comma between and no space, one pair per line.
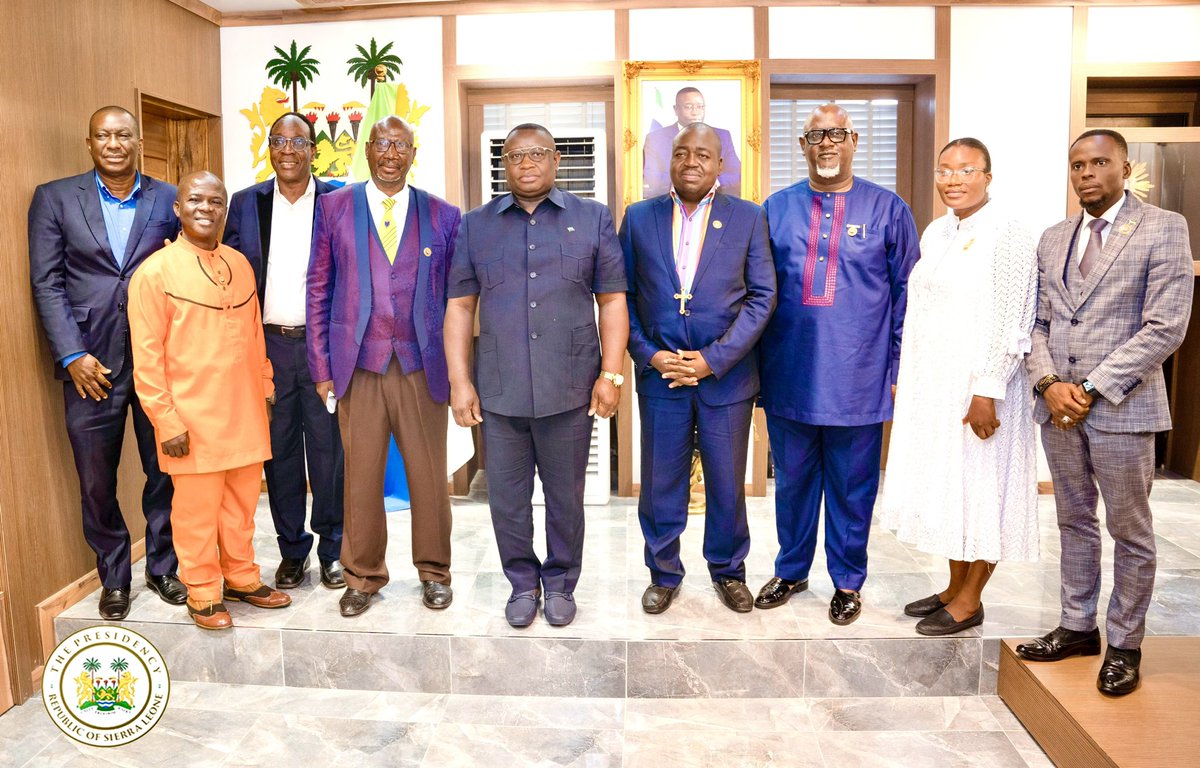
657,599
331,575
436,595
734,594
1119,673
942,623
354,601
114,603
168,587
777,591
291,573
845,607
926,606
1059,644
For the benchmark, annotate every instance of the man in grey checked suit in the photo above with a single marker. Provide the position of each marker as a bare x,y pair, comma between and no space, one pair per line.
1114,296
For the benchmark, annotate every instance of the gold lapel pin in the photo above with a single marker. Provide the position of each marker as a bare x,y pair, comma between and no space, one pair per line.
717,225
428,251
1127,227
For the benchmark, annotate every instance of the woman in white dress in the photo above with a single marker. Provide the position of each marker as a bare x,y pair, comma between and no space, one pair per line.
961,474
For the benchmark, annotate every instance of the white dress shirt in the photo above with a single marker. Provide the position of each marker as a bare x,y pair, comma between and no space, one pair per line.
287,262
1085,233
375,198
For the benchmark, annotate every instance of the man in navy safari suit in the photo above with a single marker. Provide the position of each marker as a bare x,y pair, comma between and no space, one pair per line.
537,262
271,224
87,235
701,289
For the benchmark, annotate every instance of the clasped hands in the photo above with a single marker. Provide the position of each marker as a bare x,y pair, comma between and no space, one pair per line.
1068,404
683,368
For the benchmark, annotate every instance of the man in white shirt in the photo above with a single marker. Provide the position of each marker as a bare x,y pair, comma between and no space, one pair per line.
271,224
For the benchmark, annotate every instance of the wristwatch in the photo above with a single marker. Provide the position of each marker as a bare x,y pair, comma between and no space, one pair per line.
1090,389
616,378
1045,382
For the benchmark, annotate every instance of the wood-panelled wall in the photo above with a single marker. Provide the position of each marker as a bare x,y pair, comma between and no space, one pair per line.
65,58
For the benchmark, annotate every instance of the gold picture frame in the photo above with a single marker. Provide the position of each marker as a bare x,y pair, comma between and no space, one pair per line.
729,90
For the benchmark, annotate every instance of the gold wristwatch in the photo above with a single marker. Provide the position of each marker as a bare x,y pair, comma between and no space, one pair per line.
616,378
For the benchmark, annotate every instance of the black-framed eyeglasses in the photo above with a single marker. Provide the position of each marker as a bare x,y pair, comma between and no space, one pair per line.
536,154
299,143
944,175
817,135
383,145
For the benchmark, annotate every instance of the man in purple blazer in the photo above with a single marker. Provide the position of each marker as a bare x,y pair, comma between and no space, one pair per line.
701,289
271,224
87,235
656,168
376,303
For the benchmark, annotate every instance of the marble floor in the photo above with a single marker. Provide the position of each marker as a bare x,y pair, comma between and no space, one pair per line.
861,695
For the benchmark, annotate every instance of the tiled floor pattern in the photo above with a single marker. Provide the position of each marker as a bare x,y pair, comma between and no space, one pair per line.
855,716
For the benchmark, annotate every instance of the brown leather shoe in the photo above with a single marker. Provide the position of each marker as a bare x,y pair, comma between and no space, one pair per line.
259,595
214,616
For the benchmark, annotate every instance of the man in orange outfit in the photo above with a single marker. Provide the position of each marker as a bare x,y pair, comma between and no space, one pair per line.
201,372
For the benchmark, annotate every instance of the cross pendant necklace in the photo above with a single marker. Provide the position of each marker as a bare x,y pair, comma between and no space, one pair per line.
684,297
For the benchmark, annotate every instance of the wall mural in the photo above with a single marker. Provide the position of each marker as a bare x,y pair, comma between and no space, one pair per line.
342,82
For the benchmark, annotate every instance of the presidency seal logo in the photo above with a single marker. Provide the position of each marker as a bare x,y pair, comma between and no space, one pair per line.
105,686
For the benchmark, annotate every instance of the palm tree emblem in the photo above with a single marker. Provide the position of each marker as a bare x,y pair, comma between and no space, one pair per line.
91,666
364,68
293,68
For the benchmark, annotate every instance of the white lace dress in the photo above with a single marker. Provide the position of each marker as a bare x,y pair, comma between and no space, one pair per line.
971,302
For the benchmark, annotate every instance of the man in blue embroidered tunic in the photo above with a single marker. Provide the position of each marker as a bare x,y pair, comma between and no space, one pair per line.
843,249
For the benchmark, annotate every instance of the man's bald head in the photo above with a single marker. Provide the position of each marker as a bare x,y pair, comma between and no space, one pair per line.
390,154
201,206
832,112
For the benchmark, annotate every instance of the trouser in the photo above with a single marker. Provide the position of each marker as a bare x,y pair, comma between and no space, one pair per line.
724,433
840,464
97,432
374,408
303,435
557,446
213,519
1086,464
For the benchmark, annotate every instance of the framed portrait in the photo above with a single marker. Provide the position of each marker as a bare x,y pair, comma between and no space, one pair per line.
662,97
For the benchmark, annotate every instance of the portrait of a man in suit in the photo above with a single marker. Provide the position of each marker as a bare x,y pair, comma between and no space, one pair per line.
689,108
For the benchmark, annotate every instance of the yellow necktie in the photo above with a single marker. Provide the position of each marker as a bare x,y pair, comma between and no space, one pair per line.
388,234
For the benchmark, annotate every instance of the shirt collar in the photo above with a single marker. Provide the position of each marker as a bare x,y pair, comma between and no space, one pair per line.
1110,215
706,200
556,196
133,193
309,190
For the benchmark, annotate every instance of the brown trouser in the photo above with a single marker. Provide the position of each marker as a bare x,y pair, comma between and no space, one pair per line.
373,408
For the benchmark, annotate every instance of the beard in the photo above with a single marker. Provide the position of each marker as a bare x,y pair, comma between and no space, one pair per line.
829,173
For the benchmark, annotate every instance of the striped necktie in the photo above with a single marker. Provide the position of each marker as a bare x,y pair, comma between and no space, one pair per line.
387,234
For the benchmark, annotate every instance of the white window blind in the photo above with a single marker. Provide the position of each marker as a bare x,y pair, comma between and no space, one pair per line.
874,120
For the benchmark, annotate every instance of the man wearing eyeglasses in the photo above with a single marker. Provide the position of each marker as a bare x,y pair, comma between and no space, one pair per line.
536,262
376,298
843,249
656,166
271,224
87,236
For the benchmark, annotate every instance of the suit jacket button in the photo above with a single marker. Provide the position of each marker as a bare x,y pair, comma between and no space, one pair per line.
1074,321
1070,359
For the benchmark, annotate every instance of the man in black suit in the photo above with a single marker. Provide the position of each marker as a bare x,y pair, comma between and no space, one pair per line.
87,235
271,224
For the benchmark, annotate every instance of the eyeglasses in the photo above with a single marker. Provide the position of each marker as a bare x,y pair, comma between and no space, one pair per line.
943,175
299,143
383,145
817,135
536,154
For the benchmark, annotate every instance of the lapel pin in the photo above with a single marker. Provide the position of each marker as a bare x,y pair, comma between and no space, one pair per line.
428,251
1127,227
717,224
570,229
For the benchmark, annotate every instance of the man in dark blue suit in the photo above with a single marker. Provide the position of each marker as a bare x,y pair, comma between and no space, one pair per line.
87,235
656,153
271,224
701,289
